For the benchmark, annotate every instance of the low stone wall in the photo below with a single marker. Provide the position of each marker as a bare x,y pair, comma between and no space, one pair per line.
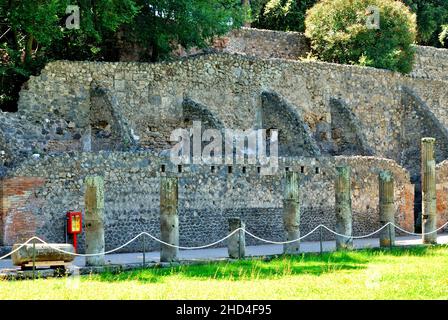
266,43
431,63
36,196
442,193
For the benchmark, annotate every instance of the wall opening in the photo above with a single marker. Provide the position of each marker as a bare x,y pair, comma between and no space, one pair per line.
294,136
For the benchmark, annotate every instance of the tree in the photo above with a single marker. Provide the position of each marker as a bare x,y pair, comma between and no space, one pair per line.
339,33
432,21
189,23
33,32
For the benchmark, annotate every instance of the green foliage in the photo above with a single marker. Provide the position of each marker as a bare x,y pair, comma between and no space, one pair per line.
339,33
190,23
33,32
443,36
284,15
289,15
432,21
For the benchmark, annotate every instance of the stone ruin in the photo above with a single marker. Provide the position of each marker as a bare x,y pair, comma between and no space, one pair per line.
114,120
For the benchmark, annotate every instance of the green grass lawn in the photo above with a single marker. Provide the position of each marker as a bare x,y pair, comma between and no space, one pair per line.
412,273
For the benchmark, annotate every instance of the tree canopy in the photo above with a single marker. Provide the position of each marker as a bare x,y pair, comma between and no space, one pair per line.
289,15
339,32
33,32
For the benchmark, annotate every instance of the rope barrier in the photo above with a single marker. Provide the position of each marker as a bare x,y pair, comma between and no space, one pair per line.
219,241
357,237
421,234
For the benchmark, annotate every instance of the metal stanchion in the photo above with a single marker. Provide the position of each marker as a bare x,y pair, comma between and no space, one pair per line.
390,236
239,244
321,246
144,250
34,260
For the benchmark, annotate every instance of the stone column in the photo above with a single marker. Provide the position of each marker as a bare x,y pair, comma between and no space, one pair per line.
343,204
291,213
94,219
237,242
429,217
2,212
387,208
169,219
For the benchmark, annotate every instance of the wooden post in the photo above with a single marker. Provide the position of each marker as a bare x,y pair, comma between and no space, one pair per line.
237,242
343,204
291,212
429,211
94,220
169,219
387,208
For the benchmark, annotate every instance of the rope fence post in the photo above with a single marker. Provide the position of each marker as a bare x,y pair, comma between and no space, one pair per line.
239,244
321,246
144,250
391,243
34,260
236,245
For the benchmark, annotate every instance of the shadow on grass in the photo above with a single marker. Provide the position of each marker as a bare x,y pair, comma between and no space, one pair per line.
246,269
272,268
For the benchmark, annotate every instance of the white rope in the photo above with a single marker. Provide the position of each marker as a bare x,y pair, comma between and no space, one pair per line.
421,234
282,242
217,242
196,248
18,248
357,237
120,247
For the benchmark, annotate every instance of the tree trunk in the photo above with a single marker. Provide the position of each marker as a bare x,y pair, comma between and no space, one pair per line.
29,49
246,3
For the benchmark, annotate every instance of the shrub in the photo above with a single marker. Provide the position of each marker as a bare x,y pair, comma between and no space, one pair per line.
339,33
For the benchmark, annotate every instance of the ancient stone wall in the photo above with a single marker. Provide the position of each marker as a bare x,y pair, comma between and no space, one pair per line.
321,109
151,97
37,195
431,63
265,43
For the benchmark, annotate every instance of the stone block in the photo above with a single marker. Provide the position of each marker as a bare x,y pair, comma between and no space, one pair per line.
44,252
